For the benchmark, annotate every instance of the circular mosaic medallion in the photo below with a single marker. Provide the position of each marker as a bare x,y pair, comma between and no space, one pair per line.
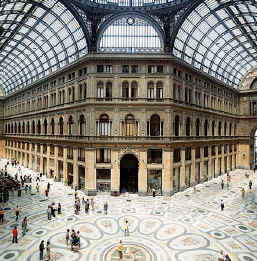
10,255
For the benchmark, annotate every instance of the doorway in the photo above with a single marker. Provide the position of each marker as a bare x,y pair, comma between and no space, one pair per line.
129,174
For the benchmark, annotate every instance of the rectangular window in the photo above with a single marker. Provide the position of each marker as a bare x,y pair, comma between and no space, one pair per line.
154,156
205,152
60,152
125,68
198,153
150,93
151,68
159,93
160,68
100,68
103,156
81,154
70,153
213,150
219,149
176,156
109,68
134,69
100,92
133,92
188,154
80,73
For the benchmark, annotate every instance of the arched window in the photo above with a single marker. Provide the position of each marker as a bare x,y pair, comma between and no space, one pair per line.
206,128
19,128
82,129
100,89
70,126
129,126
9,128
125,90
188,126
213,128
159,90
108,91
225,129
15,127
45,126
219,129
23,127
235,130
33,127
134,90
177,126
104,126
230,129
61,123
155,125
39,127
128,35
150,90
197,127
12,128
28,127
52,126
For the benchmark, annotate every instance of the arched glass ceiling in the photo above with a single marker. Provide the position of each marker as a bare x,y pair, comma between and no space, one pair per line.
130,34
219,37
37,38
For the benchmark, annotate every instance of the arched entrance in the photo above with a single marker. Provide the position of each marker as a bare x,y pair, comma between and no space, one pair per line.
129,173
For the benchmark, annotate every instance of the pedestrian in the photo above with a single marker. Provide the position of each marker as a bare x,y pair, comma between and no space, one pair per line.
194,189
41,250
227,185
37,187
67,237
92,204
48,252
126,229
30,188
221,256
120,250
86,207
222,184
153,193
15,235
26,188
59,209
53,210
227,258
48,186
76,194
78,238
1,216
46,193
49,213
243,192
24,226
105,207
222,205
17,213
83,202
250,184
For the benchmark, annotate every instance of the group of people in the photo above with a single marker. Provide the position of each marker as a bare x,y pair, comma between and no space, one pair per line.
51,210
73,239
42,248
24,226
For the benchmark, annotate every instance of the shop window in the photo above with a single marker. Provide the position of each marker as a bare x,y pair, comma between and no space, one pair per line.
154,180
154,156
103,180
205,150
176,156
103,156
188,154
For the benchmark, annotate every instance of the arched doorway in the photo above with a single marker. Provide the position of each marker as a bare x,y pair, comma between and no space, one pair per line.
129,173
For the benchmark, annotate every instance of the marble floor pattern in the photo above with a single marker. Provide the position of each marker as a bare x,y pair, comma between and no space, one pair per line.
189,226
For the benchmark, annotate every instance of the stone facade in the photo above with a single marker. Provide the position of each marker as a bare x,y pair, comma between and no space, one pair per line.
181,126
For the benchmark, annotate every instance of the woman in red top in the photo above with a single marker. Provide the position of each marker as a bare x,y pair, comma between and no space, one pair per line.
15,235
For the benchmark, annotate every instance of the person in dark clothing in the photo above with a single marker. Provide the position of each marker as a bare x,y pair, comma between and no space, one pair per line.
86,207
41,250
48,186
250,184
222,184
59,209
222,205
105,208
17,213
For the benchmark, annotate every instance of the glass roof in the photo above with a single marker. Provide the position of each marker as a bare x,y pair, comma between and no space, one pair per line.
36,38
219,37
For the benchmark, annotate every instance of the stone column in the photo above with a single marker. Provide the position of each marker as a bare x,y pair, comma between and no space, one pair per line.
25,160
35,157
222,160
56,166
41,159
233,157
166,173
193,168
65,165
182,170
75,168
48,161
201,164
30,155
142,173
90,175
115,176
209,163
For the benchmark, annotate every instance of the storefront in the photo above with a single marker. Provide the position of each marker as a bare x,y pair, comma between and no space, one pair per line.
154,180
103,180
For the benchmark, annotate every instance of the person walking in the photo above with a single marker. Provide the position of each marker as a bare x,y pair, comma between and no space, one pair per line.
250,184
49,213
1,216
222,205
86,207
243,192
120,250
15,235
227,258
46,193
221,256
67,237
154,192
105,207
41,250
227,185
59,210
222,184
92,203
126,228
37,187
48,250
24,226
17,213
83,202
48,186
78,238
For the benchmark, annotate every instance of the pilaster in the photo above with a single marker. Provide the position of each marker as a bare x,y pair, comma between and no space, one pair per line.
75,168
41,159
48,161
142,173
56,166
90,175
193,168
65,166
182,171
115,176
30,155
166,174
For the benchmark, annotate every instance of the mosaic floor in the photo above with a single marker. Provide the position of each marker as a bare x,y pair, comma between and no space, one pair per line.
189,226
